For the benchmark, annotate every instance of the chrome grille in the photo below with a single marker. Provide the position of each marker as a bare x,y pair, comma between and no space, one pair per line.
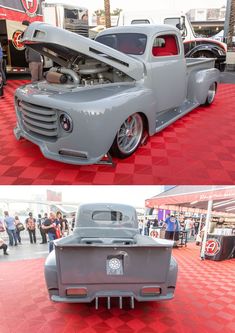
38,119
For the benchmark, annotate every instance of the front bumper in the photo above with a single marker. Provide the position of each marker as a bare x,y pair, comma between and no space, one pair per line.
51,153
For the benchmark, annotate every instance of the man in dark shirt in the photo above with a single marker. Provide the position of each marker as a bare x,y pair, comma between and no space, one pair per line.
35,61
49,226
42,232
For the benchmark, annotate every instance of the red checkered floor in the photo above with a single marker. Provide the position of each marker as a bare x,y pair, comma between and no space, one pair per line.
204,302
197,149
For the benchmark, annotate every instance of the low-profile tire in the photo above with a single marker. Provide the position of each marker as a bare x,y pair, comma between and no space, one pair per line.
128,137
211,94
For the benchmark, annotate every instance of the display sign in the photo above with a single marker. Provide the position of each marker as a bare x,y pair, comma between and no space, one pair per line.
21,10
30,6
54,196
16,40
212,247
220,247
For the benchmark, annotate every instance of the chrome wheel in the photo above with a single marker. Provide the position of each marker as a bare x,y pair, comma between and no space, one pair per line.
129,135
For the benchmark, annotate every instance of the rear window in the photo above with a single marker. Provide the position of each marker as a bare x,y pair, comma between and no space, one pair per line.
107,216
129,43
165,45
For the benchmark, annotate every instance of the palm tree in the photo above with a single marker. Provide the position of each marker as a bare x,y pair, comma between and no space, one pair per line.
231,24
107,13
117,11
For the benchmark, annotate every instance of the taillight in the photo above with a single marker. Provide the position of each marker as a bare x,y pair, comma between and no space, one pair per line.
150,291
76,292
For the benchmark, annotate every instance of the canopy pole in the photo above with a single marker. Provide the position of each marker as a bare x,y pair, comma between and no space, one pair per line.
208,218
200,224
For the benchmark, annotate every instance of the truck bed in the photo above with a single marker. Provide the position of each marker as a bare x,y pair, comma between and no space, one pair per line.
199,63
86,263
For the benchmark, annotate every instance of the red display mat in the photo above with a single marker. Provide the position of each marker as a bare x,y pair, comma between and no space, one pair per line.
197,149
204,302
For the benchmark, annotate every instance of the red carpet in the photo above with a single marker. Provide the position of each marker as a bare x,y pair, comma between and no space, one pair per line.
197,149
204,302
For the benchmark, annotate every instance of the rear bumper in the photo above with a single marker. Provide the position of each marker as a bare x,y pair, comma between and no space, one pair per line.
112,294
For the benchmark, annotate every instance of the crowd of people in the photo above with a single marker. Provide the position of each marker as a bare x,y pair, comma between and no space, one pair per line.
55,225
51,227
172,227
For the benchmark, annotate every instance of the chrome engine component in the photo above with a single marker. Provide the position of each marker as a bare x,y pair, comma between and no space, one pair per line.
88,74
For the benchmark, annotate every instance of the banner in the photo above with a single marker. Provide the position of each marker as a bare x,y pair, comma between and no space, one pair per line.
54,196
20,10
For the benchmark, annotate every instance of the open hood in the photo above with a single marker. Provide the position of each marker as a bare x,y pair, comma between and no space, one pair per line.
65,47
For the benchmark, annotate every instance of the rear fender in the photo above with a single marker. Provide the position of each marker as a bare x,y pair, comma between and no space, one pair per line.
172,274
199,84
50,272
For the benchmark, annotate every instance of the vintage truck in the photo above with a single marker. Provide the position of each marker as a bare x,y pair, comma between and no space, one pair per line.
106,257
106,96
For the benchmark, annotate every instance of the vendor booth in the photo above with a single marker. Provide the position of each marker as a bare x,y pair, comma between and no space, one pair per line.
217,203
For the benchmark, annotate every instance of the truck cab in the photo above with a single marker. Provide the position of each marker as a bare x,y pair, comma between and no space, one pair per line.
194,46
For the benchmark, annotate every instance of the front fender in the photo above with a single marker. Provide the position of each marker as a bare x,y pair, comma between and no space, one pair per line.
96,112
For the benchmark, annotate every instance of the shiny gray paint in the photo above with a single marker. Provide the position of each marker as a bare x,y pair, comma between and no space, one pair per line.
163,89
79,260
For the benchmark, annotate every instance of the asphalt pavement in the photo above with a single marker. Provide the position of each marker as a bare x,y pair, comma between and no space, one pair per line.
25,250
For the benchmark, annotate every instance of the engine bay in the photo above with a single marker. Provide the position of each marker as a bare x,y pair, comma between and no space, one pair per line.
87,73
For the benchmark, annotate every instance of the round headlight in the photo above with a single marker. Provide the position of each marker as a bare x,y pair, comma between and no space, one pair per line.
66,123
114,264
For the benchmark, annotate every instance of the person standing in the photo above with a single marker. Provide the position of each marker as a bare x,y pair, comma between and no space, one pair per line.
60,224
188,227
11,228
31,227
73,222
66,226
1,66
140,226
49,226
35,62
172,228
19,228
196,226
40,220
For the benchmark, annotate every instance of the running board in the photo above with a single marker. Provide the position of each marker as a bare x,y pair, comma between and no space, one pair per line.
132,302
168,117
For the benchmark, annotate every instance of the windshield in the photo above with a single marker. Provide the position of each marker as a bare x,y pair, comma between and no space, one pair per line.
129,43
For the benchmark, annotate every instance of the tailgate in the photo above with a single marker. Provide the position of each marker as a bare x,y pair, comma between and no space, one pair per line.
91,264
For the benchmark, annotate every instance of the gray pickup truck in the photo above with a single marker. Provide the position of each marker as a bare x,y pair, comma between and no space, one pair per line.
106,257
106,96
